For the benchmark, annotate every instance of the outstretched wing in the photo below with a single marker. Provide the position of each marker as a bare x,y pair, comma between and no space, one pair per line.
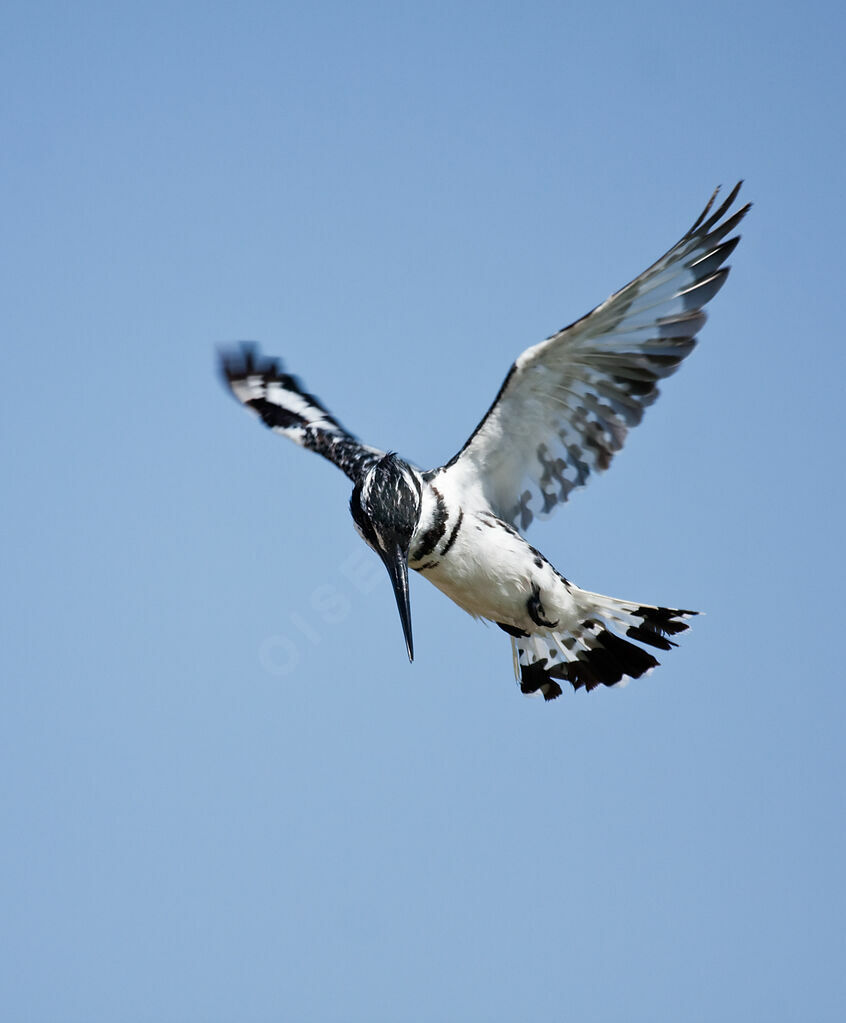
567,403
283,405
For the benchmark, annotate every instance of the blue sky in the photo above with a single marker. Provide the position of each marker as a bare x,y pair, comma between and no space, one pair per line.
225,793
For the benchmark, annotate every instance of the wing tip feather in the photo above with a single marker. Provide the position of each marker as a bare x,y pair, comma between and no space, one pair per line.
702,225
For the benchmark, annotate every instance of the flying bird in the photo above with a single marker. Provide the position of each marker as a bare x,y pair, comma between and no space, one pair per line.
563,411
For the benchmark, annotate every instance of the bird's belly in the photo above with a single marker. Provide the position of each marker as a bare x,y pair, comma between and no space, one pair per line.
490,574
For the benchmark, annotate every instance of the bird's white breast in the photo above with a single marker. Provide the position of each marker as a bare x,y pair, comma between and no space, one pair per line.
480,562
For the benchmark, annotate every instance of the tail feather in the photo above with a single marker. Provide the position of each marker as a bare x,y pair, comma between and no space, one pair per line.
599,651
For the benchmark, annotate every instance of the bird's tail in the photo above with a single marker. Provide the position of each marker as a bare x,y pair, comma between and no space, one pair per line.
599,650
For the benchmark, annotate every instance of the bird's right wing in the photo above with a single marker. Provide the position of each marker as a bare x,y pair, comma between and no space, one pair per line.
567,404
283,405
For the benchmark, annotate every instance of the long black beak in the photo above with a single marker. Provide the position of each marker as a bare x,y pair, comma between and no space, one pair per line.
396,563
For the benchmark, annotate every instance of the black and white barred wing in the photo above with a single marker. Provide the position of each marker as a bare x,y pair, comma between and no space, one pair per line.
567,403
283,405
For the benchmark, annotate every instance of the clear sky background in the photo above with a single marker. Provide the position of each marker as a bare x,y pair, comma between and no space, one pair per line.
224,792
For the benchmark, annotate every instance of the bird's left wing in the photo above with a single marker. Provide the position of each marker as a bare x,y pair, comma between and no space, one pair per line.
283,405
566,405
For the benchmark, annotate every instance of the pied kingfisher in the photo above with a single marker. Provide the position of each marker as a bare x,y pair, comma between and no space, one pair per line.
562,412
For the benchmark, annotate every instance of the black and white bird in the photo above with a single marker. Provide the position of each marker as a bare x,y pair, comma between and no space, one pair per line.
562,413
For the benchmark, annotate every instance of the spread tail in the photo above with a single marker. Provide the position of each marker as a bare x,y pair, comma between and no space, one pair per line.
599,651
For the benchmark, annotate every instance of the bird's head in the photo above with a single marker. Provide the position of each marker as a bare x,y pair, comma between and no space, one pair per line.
385,507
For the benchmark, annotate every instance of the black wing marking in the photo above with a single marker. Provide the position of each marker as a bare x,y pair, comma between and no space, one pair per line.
284,406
